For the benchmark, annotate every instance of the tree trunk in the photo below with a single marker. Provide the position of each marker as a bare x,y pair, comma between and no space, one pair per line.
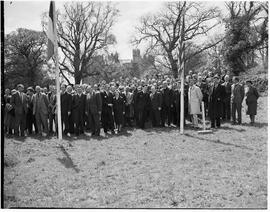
78,78
266,58
173,65
76,64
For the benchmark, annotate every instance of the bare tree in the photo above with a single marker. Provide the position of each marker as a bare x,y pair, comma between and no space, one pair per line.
84,28
162,30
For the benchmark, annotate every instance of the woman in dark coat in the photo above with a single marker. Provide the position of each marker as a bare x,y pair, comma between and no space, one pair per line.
251,101
118,110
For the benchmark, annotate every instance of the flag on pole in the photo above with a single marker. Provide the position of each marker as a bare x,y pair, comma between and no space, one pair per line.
51,32
52,51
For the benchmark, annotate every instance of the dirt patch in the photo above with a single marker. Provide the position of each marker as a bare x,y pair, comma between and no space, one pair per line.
10,160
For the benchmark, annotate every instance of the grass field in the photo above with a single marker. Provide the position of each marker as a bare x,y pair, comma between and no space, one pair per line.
142,169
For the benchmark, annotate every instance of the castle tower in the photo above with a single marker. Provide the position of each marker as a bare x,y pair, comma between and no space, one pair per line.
136,55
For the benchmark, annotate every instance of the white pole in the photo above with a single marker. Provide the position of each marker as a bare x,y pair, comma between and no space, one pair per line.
182,66
203,116
58,102
182,104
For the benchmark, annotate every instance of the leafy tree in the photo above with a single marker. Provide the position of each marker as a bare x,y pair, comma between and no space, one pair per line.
25,58
246,31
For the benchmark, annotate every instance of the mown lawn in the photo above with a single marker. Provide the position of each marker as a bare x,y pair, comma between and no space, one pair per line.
142,169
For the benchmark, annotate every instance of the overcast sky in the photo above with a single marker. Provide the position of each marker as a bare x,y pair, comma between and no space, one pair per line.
27,14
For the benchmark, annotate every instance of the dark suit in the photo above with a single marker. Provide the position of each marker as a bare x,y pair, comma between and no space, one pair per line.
156,103
216,95
167,106
66,107
106,114
141,108
136,117
227,101
119,109
78,113
93,110
40,110
177,100
52,108
204,88
186,114
237,97
30,118
19,103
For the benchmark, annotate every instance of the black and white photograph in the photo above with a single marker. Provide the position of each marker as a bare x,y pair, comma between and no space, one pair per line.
134,104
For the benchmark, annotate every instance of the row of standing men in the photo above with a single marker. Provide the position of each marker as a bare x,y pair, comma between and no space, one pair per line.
112,106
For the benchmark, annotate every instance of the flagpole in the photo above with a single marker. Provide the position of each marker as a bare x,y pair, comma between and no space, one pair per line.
58,102
182,69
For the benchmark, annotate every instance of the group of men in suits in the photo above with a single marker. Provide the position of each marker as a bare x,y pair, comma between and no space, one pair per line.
129,102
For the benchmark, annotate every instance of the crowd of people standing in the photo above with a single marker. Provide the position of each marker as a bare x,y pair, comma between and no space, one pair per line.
128,102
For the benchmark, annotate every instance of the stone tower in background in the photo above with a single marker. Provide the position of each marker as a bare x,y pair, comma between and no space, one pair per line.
136,56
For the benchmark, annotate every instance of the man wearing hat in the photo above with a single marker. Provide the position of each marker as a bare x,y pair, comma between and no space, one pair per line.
216,95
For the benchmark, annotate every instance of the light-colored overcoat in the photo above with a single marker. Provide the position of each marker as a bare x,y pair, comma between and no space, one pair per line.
194,99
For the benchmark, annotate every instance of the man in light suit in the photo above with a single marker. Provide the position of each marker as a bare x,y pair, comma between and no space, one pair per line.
19,103
40,110
195,97
237,97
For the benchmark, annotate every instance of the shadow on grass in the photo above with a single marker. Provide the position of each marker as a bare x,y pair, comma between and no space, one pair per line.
16,138
219,142
160,129
67,161
232,128
257,125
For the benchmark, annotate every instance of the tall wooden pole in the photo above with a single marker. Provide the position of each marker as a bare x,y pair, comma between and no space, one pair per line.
58,101
181,60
